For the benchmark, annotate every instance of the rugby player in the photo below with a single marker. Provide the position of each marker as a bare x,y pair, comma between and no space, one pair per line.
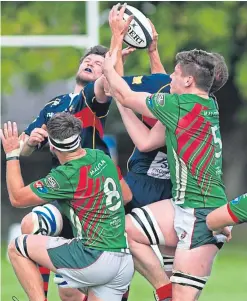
89,190
233,213
194,147
89,103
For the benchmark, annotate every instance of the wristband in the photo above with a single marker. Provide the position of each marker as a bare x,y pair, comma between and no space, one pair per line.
13,153
12,158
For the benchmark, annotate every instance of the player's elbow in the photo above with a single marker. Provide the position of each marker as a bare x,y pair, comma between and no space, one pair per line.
210,222
14,202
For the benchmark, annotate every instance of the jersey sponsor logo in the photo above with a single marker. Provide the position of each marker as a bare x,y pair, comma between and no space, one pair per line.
210,113
159,167
50,114
137,80
160,99
51,183
150,101
40,187
98,168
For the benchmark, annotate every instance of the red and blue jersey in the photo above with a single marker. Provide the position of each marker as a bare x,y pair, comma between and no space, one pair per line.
84,106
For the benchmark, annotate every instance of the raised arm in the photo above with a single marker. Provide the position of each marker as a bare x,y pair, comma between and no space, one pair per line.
145,139
118,28
153,52
120,89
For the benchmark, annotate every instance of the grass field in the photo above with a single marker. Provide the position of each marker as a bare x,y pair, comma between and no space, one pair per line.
227,283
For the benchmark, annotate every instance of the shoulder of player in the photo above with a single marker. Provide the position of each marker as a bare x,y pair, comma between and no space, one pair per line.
62,101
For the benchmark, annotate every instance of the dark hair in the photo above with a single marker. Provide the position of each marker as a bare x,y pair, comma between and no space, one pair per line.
200,65
220,72
63,125
98,49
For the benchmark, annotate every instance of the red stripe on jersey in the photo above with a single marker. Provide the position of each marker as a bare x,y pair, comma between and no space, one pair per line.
200,155
194,145
88,119
233,216
187,119
149,121
80,189
205,165
90,203
185,137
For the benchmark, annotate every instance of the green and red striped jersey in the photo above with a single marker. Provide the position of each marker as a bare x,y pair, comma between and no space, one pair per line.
194,148
89,192
237,208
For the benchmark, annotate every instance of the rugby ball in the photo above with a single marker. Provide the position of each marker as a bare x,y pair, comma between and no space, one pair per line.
139,33
47,220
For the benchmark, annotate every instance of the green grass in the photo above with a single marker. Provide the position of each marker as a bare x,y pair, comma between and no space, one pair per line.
227,283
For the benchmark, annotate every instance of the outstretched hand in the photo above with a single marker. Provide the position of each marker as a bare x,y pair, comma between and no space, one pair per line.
118,25
9,137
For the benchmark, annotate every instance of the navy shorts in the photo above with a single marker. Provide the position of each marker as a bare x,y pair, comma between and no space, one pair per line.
146,190
67,229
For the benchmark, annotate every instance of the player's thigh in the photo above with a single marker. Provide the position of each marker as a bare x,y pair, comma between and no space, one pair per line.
33,247
117,286
152,224
70,294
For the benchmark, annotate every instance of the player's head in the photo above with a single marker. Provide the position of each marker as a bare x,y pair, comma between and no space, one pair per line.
194,70
91,65
64,133
220,72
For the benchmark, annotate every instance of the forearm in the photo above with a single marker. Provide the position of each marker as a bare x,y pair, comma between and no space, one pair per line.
14,180
155,62
136,129
27,150
219,218
117,42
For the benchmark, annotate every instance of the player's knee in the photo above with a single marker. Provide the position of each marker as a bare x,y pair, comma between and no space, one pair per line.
186,286
70,294
27,224
129,227
18,246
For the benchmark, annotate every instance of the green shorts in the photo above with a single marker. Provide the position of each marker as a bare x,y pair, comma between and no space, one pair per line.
107,274
191,228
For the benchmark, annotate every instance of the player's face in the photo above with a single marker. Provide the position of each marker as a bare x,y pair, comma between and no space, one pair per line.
179,82
91,68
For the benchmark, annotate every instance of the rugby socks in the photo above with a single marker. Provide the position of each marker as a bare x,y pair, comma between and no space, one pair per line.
164,293
126,295
45,274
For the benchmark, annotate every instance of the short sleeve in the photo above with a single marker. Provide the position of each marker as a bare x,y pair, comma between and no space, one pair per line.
152,83
100,109
165,107
55,186
37,123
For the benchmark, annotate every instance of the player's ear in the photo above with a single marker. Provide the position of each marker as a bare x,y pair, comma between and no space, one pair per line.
188,81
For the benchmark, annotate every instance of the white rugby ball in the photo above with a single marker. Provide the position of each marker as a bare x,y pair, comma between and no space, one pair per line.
139,33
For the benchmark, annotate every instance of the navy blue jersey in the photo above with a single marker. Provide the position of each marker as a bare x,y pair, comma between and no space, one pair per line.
84,106
154,163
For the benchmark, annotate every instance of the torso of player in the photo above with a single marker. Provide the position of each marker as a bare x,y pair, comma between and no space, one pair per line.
89,193
194,148
84,106
153,164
